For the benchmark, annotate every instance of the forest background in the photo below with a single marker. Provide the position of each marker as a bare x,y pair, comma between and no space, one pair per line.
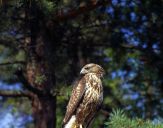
44,44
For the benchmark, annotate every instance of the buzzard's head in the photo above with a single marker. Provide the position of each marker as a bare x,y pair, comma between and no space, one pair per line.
92,68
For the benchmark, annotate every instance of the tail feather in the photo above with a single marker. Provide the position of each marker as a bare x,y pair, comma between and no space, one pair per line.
71,123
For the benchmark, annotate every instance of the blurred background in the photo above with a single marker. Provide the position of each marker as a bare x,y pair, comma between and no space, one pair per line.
44,44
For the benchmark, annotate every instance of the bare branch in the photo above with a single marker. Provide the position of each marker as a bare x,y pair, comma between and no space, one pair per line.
81,10
10,63
27,85
104,112
15,94
7,43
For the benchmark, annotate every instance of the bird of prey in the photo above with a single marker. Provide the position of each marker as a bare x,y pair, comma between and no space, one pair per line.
86,98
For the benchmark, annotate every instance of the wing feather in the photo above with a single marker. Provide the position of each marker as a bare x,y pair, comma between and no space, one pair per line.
76,96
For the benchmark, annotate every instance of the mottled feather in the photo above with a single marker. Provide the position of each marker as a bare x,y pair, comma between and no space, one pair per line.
86,98
76,96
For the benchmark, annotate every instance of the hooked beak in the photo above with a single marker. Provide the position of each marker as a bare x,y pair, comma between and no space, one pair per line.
83,71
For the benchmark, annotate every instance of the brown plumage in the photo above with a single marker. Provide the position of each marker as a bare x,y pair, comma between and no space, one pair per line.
86,98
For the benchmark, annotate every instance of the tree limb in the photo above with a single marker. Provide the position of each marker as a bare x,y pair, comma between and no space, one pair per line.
104,112
81,10
8,43
26,84
10,63
15,94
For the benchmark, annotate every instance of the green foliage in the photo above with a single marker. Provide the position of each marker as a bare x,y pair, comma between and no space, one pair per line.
40,79
47,6
118,119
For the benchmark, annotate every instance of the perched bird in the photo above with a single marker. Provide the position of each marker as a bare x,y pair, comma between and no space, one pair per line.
86,98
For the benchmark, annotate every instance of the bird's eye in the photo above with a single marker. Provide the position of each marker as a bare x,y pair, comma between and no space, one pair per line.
86,68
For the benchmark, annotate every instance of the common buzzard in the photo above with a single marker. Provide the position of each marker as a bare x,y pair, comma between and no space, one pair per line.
86,98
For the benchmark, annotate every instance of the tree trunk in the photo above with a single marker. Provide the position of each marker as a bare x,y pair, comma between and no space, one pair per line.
39,72
42,80
44,111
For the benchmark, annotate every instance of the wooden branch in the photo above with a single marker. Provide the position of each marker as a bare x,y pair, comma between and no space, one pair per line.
8,43
104,112
10,63
81,10
26,84
15,94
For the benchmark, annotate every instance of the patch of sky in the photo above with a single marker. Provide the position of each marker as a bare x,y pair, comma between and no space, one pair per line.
132,4
126,36
110,11
133,17
99,52
139,30
1,57
118,73
18,36
134,63
123,17
140,103
132,74
22,119
155,113
126,96
114,2
144,45
132,96
127,31
13,33
4,33
124,75
121,73
155,48
14,120
113,75
128,107
131,60
127,85
129,36
123,3
145,24
143,18
134,41
107,59
5,86
161,101
157,120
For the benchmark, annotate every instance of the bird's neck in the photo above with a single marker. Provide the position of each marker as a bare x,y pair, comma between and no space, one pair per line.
97,75
93,76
